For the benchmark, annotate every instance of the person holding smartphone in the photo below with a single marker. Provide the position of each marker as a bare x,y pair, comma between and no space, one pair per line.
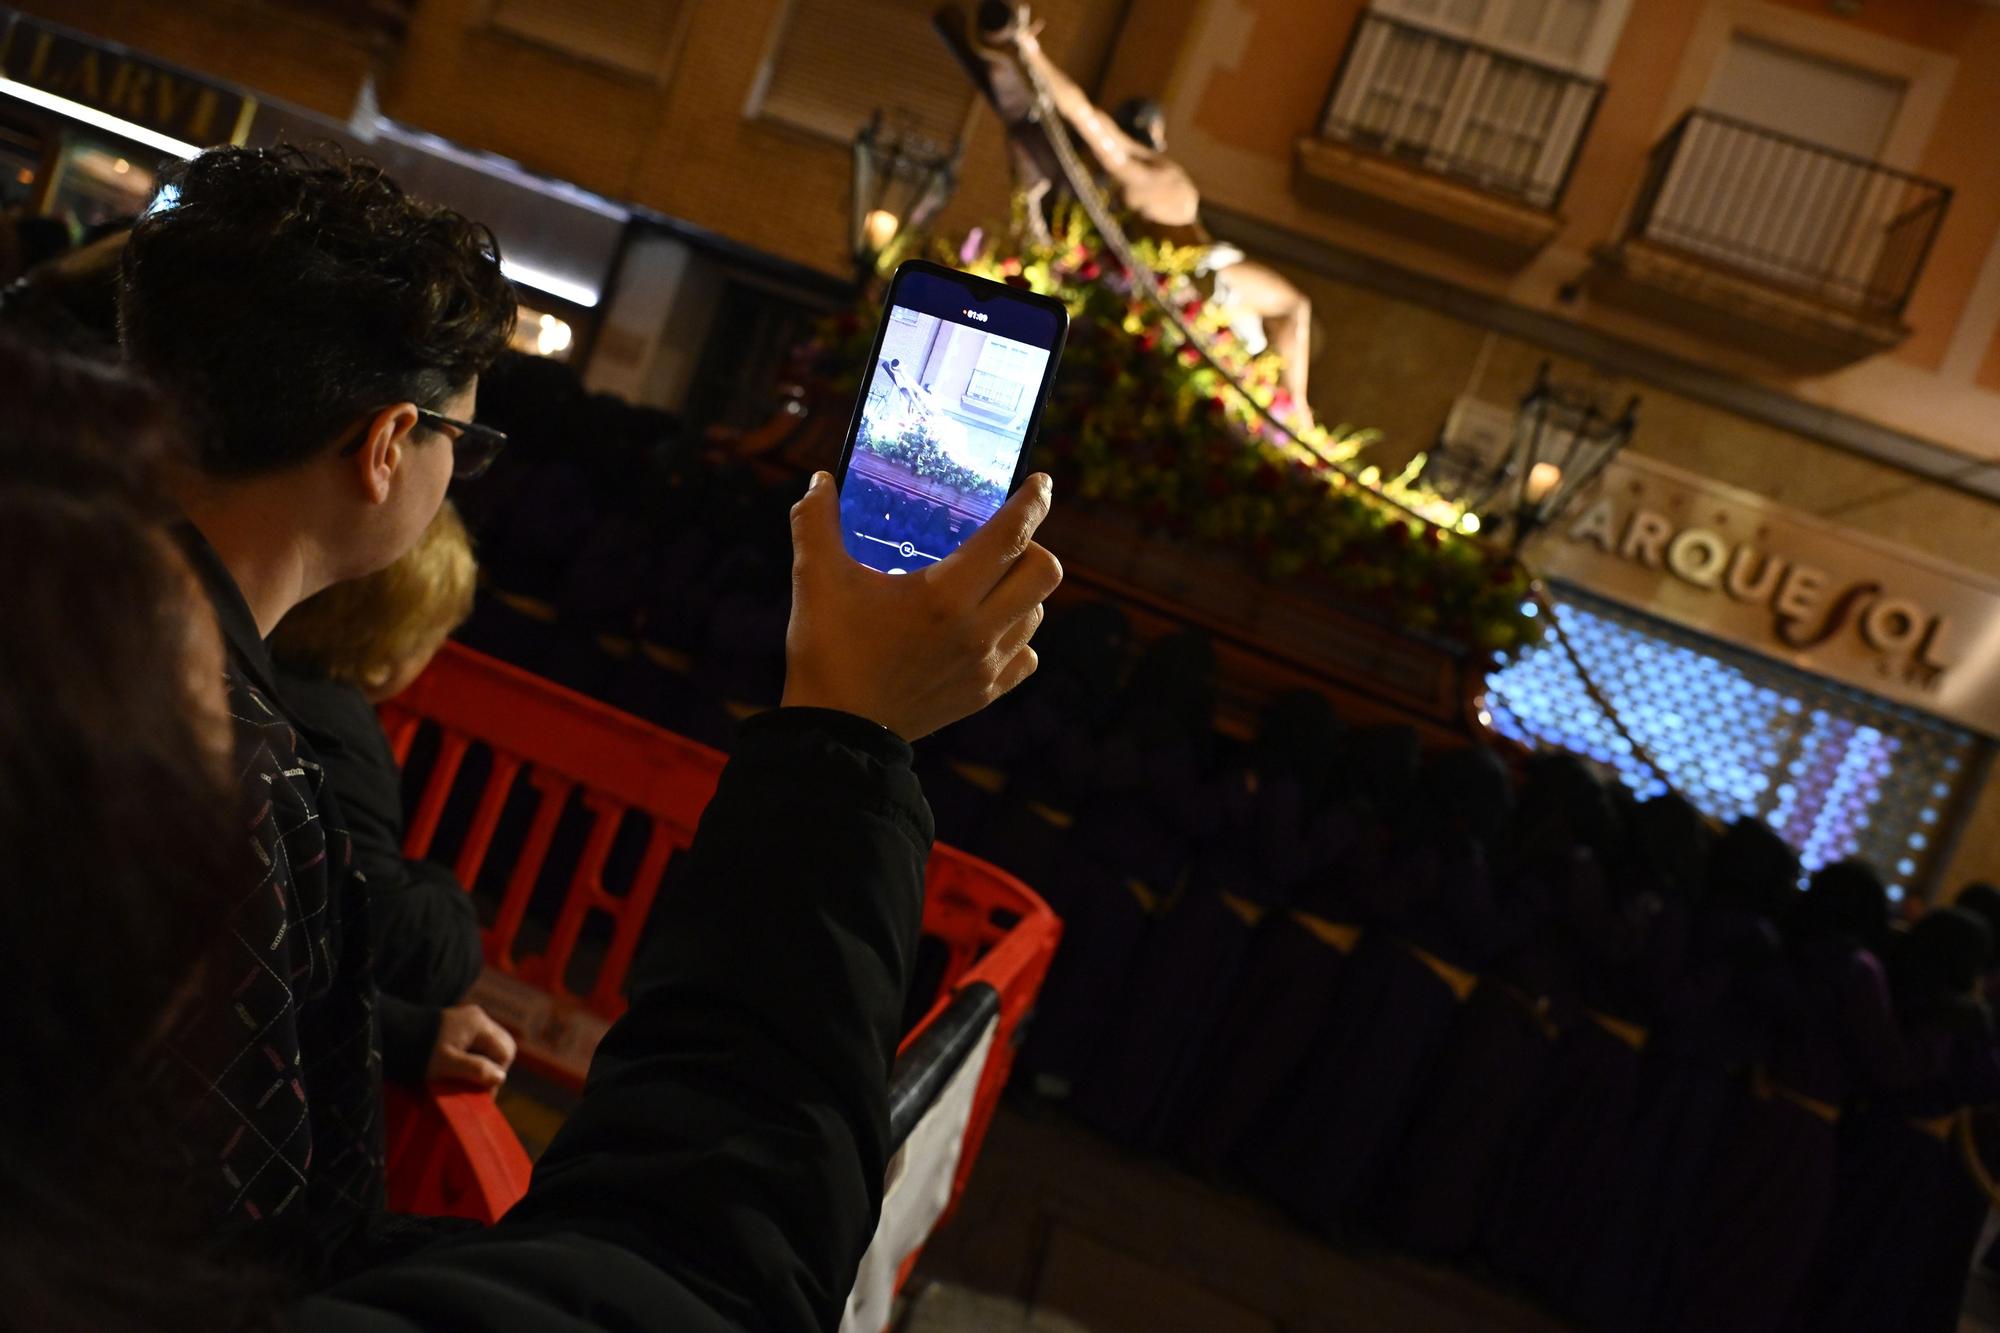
724,1168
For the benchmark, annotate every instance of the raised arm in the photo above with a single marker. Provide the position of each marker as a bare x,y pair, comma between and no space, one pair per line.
724,1168
1114,149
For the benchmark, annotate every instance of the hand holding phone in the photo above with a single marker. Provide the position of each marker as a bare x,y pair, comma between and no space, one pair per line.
920,652
952,396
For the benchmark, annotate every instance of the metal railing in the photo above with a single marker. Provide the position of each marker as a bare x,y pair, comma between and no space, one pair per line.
1454,107
1825,224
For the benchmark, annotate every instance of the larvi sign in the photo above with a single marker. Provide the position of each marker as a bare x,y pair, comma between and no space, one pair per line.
1821,598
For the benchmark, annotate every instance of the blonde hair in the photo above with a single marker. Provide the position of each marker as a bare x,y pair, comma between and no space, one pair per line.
366,630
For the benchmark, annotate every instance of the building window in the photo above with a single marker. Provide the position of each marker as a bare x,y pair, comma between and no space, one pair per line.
838,61
636,36
1837,772
1555,31
1777,175
1490,92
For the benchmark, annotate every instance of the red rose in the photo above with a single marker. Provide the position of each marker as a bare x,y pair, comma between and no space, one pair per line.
1149,340
1192,308
1089,272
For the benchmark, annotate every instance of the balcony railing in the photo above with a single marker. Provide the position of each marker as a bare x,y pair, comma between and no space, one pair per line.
1462,110
1827,225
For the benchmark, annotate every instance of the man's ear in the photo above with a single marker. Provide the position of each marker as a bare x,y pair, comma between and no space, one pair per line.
384,439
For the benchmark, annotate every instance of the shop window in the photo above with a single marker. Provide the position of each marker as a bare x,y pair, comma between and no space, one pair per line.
1837,772
839,61
541,333
98,183
21,153
637,36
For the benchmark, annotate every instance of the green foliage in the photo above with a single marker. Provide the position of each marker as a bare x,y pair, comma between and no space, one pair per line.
916,449
1139,422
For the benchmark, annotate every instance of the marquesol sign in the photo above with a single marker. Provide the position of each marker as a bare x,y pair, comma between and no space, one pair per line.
1724,562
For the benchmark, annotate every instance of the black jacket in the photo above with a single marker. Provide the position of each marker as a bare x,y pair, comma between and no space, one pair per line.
724,1168
280,1054
280,1059
422,926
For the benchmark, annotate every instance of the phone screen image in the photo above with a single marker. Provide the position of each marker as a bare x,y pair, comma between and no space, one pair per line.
953,395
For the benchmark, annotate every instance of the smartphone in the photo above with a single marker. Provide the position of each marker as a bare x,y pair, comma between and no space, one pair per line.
951,400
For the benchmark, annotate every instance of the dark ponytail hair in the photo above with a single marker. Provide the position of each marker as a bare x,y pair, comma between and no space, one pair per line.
125,858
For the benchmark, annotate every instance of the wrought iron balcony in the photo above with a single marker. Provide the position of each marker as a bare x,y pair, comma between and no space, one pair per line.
1828,226
1461,110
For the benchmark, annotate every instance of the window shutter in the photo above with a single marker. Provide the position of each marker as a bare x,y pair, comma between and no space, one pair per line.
837,61
632,35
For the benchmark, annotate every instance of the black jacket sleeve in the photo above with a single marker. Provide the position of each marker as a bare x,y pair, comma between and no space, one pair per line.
422,927
409,1032
724,1168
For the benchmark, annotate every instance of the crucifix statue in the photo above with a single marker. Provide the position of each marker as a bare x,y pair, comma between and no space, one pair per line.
1126,151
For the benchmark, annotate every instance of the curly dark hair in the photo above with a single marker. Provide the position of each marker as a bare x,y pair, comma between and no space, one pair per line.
283,292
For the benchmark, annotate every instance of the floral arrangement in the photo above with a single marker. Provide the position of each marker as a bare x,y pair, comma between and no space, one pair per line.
1140,422
915,448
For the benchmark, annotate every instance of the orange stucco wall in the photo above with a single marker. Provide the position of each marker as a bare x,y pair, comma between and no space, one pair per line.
680,143
1938,24
1961,154
1251,75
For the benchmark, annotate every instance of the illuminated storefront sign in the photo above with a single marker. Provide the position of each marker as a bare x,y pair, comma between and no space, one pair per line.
122,85
1808,593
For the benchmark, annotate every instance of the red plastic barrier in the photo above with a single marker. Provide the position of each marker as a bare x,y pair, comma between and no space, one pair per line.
452,1154
563,745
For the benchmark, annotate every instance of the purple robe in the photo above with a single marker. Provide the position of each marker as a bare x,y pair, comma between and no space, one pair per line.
1714,1031
1767,1199
1194,955
1478,1109
1899,1163
1284,991
1333,1147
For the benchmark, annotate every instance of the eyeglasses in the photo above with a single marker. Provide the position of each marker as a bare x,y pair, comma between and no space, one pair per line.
473,447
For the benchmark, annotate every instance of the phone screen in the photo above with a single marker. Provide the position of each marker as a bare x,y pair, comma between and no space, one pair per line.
953,396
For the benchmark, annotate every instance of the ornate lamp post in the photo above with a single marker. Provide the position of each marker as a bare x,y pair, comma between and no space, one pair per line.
1563,437
901,180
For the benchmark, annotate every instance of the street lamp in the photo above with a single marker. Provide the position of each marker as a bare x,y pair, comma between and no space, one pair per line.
1563,437
901,180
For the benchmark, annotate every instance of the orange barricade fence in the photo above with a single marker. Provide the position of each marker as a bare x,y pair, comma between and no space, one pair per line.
452,1154
569,813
